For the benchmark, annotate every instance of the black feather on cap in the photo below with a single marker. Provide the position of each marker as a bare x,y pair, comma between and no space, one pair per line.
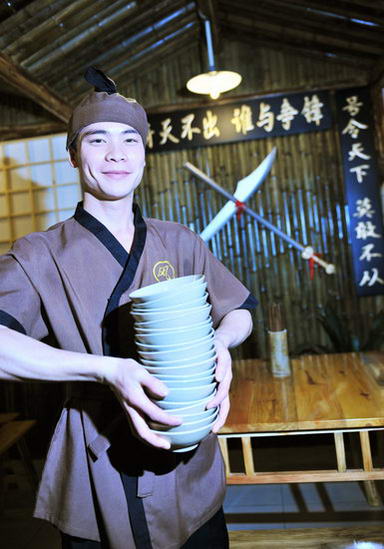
102,83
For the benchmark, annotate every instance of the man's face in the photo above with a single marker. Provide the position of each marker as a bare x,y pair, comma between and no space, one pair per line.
111,159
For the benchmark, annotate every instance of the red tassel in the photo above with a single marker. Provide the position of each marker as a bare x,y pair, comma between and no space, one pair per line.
240,207
311,262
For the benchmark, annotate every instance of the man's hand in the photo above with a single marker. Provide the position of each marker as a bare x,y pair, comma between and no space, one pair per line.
223,377
133,385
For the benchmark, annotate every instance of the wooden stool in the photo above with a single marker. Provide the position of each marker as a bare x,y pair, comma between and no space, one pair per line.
12,433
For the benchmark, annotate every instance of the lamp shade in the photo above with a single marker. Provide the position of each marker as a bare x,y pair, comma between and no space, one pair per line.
214,83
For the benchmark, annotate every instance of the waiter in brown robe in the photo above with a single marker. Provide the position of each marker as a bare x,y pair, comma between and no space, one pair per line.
109,482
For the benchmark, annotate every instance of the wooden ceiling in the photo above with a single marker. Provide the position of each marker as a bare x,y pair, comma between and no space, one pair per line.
47,44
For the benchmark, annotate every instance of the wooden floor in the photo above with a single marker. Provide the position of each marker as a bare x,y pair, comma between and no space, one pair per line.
309,538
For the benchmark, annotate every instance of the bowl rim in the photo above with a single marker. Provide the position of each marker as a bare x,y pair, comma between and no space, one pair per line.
187,327
178,346
158,287
191,402
136,311
170,382
180,433
177,377
183,367
214,415
189,360
186,389
199,413
177,314
179,409
175,331
202,286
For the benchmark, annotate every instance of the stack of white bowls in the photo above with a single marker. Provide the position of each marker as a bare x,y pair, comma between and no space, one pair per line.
175,341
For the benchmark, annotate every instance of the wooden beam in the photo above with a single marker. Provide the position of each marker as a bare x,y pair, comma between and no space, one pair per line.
30,130
39,93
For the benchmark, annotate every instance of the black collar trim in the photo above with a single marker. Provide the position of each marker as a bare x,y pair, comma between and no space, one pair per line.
101,232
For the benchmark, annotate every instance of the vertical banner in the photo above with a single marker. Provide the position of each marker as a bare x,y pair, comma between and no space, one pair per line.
361,181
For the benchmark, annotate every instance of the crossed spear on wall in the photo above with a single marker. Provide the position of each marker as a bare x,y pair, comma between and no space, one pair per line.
236,204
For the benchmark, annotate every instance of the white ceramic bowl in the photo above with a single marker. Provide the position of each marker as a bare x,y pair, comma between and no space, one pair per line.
181,408
176,320
186,377
141,314
180,362
177,352
189,382
171,298
200,368
169,403
174,346
188,417
154,291
186,440
177,336
190,326
190,393
187,425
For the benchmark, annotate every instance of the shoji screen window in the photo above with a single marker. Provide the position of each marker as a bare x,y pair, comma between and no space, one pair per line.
38,186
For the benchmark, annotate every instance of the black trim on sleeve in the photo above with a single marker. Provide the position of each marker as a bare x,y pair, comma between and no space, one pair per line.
10,322
250,303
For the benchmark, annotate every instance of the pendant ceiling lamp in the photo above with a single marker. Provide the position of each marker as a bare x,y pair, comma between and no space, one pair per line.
213,82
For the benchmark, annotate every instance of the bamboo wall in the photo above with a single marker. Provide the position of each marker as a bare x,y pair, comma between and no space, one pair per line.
304,196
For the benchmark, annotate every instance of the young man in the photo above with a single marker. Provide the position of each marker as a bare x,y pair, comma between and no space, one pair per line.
109,481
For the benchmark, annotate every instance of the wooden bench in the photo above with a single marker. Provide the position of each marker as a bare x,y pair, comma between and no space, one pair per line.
308,538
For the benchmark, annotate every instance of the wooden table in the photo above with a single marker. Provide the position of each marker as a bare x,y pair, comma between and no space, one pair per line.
12,432
334,394
8,416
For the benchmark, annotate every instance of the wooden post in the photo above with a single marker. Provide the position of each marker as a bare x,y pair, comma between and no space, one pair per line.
371,492
248,455
340,452
224,451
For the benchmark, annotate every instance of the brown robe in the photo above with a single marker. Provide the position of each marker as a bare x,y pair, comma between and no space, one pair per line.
69,286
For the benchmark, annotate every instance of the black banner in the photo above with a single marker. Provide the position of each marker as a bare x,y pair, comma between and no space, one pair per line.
355,123
269,116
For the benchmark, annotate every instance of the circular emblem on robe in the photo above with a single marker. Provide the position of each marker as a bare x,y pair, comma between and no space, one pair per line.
163,270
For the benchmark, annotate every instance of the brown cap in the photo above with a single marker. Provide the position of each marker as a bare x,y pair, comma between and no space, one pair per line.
106,105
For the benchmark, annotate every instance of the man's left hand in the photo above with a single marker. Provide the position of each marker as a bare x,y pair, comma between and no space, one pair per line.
223,377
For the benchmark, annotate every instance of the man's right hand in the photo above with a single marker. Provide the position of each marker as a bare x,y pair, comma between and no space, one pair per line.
133,386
